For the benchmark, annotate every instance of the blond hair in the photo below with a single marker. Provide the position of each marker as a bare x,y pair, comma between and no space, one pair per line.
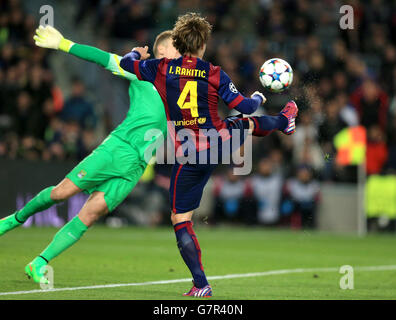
163,36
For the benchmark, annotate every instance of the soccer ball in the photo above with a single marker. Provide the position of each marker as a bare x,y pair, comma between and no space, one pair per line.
276,75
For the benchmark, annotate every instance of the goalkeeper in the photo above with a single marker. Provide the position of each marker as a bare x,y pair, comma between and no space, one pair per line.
112,170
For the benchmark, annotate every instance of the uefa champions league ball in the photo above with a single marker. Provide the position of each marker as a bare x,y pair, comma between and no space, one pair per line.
276,75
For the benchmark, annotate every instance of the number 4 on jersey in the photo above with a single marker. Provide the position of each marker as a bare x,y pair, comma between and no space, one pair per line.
189,89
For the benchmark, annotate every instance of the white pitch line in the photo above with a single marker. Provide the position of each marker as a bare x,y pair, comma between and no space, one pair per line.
227,276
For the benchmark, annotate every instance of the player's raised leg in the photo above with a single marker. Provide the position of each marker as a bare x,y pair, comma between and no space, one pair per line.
285,121
290,111
68,235
42,201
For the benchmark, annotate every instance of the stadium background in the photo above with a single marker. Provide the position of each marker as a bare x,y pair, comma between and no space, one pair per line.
55,109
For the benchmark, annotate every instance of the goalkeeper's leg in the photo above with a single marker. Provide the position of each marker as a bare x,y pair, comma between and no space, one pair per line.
68,235
42,201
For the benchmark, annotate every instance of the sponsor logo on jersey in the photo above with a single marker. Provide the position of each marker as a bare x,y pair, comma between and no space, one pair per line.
190,122
202,120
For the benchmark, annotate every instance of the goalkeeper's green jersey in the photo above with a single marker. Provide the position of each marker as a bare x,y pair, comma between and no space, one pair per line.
146,115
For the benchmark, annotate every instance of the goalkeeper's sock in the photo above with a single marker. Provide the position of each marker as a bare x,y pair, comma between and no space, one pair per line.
64,238
264,125
39,261
190,251
40,202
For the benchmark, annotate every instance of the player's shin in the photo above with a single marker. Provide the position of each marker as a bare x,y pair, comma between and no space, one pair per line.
190,251
63,239
264,125
40,202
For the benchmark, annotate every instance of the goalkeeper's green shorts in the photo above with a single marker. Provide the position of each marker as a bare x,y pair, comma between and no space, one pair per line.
114,168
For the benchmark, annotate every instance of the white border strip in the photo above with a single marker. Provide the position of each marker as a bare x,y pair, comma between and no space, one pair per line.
227,276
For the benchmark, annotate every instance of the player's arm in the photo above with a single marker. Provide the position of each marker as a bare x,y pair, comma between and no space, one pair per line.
49,37
235,100
136,63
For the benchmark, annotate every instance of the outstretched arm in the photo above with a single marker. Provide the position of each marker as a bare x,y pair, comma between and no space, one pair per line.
49,37
250,105
235,100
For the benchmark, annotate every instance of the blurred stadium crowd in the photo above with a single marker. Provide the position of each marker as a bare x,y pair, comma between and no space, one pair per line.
341,78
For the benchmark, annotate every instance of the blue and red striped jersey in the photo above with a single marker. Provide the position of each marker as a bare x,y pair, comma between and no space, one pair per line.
190,89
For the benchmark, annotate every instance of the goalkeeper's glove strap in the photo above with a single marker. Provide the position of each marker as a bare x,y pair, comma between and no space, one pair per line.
65,45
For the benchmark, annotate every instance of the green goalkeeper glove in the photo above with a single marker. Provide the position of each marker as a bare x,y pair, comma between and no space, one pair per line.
49,37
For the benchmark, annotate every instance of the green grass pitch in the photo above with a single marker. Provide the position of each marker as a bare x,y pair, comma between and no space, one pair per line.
136,255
